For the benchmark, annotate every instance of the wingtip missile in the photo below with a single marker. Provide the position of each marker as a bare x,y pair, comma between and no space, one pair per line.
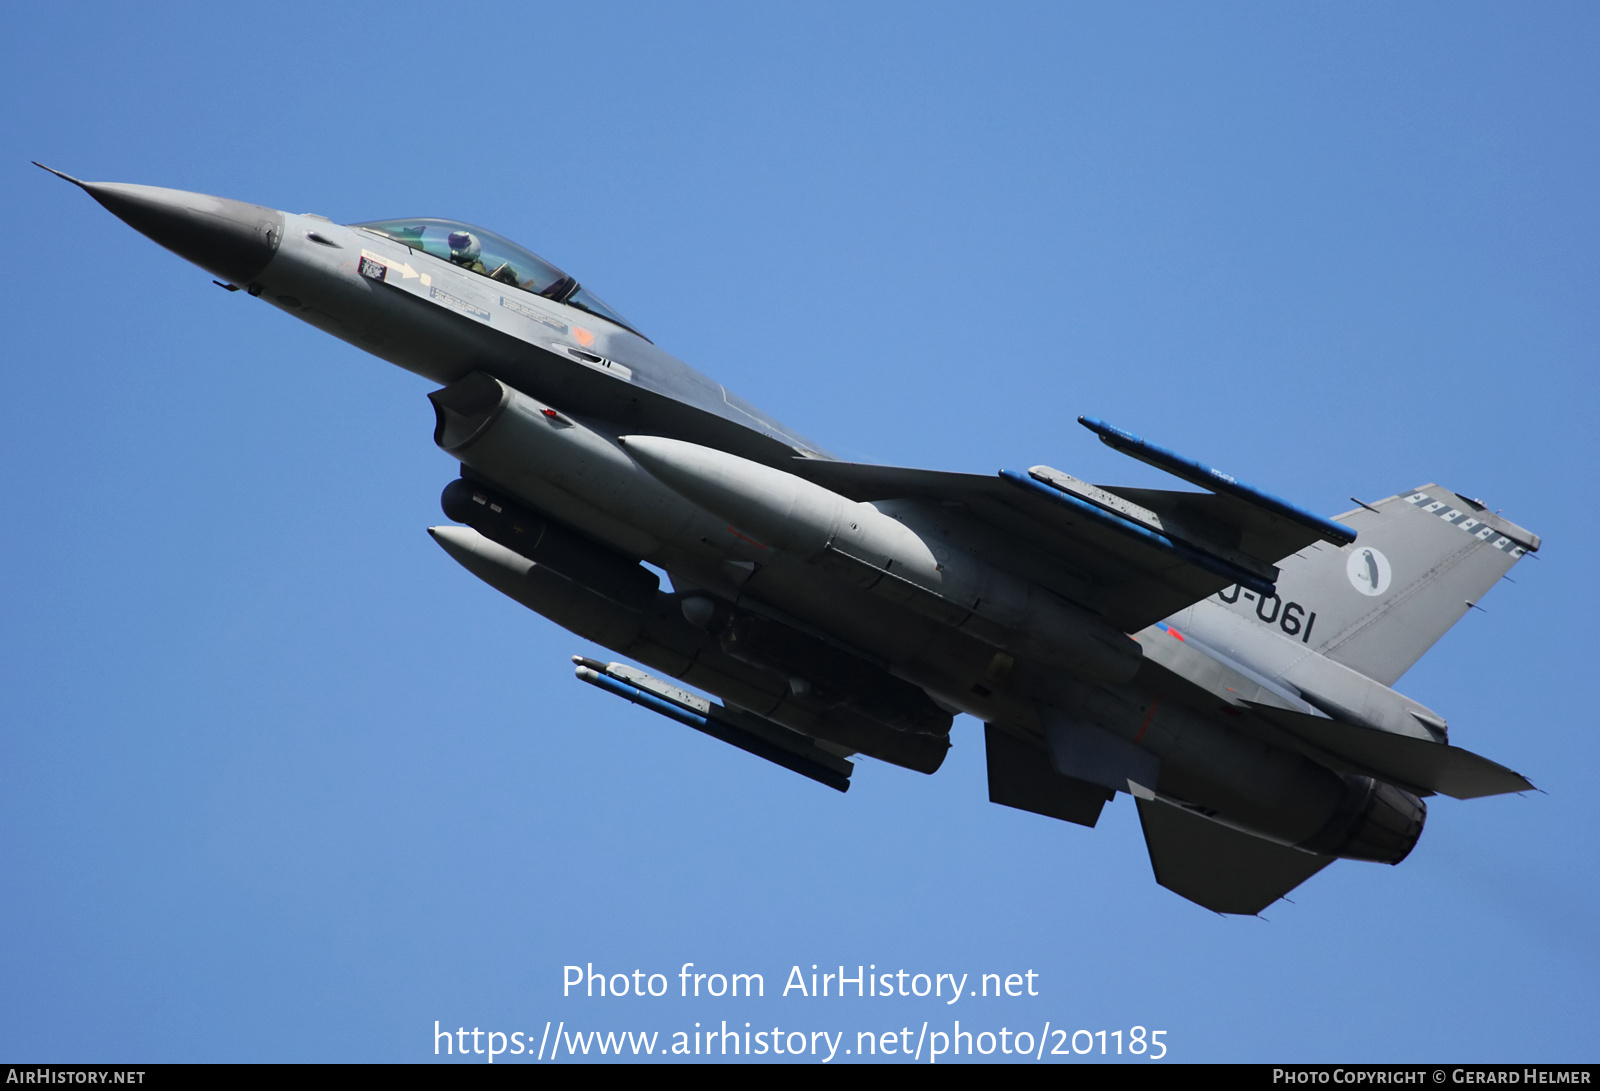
1215,480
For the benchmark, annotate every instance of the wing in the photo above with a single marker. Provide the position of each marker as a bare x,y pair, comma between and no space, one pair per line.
1134,556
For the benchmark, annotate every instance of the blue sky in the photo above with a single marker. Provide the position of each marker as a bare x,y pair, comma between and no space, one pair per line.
279,781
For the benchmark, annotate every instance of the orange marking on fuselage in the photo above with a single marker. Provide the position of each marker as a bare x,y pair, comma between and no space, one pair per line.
1148,716
744,537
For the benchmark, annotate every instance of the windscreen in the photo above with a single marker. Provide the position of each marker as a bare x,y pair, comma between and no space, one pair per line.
496,257
474,249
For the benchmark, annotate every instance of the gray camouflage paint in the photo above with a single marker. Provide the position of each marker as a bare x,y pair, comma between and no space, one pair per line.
1258,732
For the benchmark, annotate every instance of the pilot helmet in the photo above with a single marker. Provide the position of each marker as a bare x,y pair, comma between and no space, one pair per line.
464,247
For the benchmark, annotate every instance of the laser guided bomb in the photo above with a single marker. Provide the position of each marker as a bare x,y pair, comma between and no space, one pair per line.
1224,657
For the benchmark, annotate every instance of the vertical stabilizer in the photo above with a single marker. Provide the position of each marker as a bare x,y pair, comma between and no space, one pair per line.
1420,562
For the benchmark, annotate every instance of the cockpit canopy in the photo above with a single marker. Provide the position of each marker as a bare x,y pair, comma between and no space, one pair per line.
496,257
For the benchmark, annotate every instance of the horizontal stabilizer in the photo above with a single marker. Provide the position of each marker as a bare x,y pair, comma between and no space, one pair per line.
1416,763
749,733
1020,776
1216,866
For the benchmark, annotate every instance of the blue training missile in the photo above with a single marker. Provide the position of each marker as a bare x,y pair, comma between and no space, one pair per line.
801,755
1215,480
1167,543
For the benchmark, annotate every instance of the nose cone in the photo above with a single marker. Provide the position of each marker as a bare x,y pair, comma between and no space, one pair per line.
232,239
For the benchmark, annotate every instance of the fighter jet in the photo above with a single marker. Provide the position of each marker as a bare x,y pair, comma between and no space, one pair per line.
1223,656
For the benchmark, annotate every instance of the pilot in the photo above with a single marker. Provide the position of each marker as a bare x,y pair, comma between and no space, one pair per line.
466,251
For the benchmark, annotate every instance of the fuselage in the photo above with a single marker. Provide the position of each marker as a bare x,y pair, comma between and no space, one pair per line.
544,395
447,322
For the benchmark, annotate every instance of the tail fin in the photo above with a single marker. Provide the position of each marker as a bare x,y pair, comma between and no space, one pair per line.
1420,562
